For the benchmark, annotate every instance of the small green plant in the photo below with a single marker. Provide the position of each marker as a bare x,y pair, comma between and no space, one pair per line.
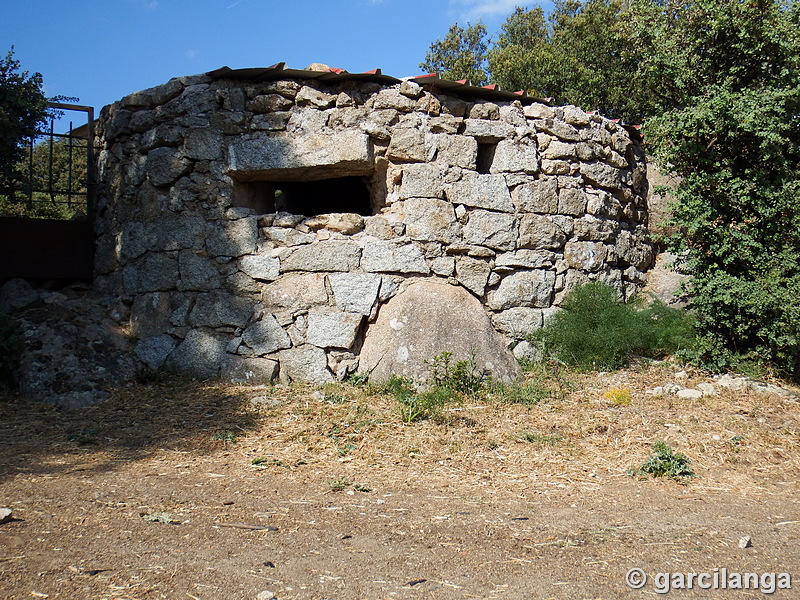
224,435
346,449
357,379
362,487
425,405
339,484
533,437
10,350
462,376
664,462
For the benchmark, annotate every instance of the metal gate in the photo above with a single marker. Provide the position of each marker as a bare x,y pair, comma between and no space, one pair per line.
46,217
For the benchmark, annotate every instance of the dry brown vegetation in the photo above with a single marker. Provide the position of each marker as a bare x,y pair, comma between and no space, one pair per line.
323,492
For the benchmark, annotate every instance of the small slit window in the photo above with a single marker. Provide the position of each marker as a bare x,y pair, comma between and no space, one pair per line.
485,157
307,198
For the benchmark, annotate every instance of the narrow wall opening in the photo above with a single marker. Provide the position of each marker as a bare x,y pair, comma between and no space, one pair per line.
308,198
485,158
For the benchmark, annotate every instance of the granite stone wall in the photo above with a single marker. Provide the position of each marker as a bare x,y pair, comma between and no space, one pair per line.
256,229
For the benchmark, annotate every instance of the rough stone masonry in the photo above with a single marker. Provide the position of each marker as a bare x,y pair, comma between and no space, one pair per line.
305,225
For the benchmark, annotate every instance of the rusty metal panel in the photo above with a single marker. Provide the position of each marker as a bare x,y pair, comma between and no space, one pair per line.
46,249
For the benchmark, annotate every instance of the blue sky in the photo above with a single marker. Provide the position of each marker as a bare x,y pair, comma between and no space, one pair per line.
103,50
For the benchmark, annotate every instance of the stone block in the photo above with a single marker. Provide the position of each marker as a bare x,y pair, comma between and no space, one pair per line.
494,230
248,371
154,350
220,309
288,158
165,165
296,291
481,191
422,180
431,220
200,354
518,322
304,364
540,232
523,288
410,145
266,336
390,257
232,238
355,292
329,255
333,329
539,196
515,156
473,274
260,266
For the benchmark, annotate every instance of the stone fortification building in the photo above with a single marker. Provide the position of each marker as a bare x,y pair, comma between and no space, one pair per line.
268,223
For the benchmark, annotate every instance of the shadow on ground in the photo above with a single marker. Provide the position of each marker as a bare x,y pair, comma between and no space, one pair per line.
175,415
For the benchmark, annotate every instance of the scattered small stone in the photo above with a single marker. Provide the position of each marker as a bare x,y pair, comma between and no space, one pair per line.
707,389
681,375
736,384
6,515
269,564
689,394
264,401
228,503
318,396
656,391
672,388
746,542
266,595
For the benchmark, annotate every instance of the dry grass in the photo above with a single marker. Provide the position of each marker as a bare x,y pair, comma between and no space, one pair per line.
736,440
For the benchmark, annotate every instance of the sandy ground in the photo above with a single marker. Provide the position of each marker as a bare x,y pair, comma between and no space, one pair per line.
155,494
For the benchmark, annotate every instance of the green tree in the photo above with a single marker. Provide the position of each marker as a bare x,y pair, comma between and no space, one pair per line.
460,55
575,55
724,106
520,56
23,110
591,64
57,165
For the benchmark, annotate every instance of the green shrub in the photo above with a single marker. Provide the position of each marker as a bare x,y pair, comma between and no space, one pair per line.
597,331
10,350
664,462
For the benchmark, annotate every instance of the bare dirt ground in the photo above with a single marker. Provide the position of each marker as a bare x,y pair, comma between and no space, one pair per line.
154,494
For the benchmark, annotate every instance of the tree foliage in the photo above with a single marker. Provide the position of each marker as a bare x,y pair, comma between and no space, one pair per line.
726,76
23,110
461,54
576,55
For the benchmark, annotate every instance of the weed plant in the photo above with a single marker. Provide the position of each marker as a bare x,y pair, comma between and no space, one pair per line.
597,331
462,376
664,462
533,437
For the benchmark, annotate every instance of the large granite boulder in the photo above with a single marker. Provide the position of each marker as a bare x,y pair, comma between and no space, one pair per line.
427,318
